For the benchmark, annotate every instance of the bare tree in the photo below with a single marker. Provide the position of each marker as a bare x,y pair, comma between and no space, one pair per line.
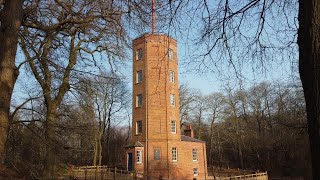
59,35
215,103
309,63
111,99
258,32
199,114
9,29
187,99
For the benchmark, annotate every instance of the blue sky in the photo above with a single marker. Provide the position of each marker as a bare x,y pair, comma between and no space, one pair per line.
208,82
281,68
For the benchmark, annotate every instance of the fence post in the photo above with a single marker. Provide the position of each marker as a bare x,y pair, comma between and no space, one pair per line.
85,174
115,171
95,173
101,174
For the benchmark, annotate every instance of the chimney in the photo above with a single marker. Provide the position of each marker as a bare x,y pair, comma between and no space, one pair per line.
189,131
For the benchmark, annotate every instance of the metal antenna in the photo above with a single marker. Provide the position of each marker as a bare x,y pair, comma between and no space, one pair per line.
153,18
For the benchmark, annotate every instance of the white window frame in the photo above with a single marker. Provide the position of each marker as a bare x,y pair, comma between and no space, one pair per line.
174,152
195,172
173,126
171,76
139,156
170,54
194,154
139,54
137,127
137,100
139,74
172,100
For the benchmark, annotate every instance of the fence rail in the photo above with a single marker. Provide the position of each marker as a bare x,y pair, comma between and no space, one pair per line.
100,173
114,173
255,176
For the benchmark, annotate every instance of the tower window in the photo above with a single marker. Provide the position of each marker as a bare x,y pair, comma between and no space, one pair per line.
157,154
171,76
139,100
139,127
173,126
194,154
195,171
174,154
172,100
139,54
139,77
170,54
139,156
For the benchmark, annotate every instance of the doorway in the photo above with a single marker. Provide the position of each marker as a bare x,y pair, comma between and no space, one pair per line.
130,168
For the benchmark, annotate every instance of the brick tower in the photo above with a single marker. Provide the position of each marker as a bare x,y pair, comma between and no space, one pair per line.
157,148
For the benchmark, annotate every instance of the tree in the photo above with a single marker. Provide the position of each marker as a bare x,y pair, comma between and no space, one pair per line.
254,31
9,30
198,114
235,117
187,99
309,69
111,99
56,37
215,103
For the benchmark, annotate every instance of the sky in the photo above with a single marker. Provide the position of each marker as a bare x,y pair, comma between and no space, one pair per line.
204,80
278,65
209,82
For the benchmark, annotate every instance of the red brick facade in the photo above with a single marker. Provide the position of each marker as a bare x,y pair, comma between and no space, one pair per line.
155,114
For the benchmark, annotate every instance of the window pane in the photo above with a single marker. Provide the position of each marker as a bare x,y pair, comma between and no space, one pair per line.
139,156
157,154
139,77
172,100
170,54
171,76
139,100
139,127
173,126
139,54
194,155
174,154
195,171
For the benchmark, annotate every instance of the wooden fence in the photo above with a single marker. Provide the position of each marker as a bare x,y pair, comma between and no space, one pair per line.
100,173
113,173
255,176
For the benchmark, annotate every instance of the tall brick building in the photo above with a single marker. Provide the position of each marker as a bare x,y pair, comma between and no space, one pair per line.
157,147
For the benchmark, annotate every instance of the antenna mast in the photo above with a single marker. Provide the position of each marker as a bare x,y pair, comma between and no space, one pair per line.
153,17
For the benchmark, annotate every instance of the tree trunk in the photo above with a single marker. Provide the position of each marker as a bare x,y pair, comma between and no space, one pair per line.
10,18
239,141
108,139
211,142
199,124
309,69
100,150
95,150
50,164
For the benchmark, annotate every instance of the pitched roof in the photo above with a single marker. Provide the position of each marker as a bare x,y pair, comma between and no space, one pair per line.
190,139
135,144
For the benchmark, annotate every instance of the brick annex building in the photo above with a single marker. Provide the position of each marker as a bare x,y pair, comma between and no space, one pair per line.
157,148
